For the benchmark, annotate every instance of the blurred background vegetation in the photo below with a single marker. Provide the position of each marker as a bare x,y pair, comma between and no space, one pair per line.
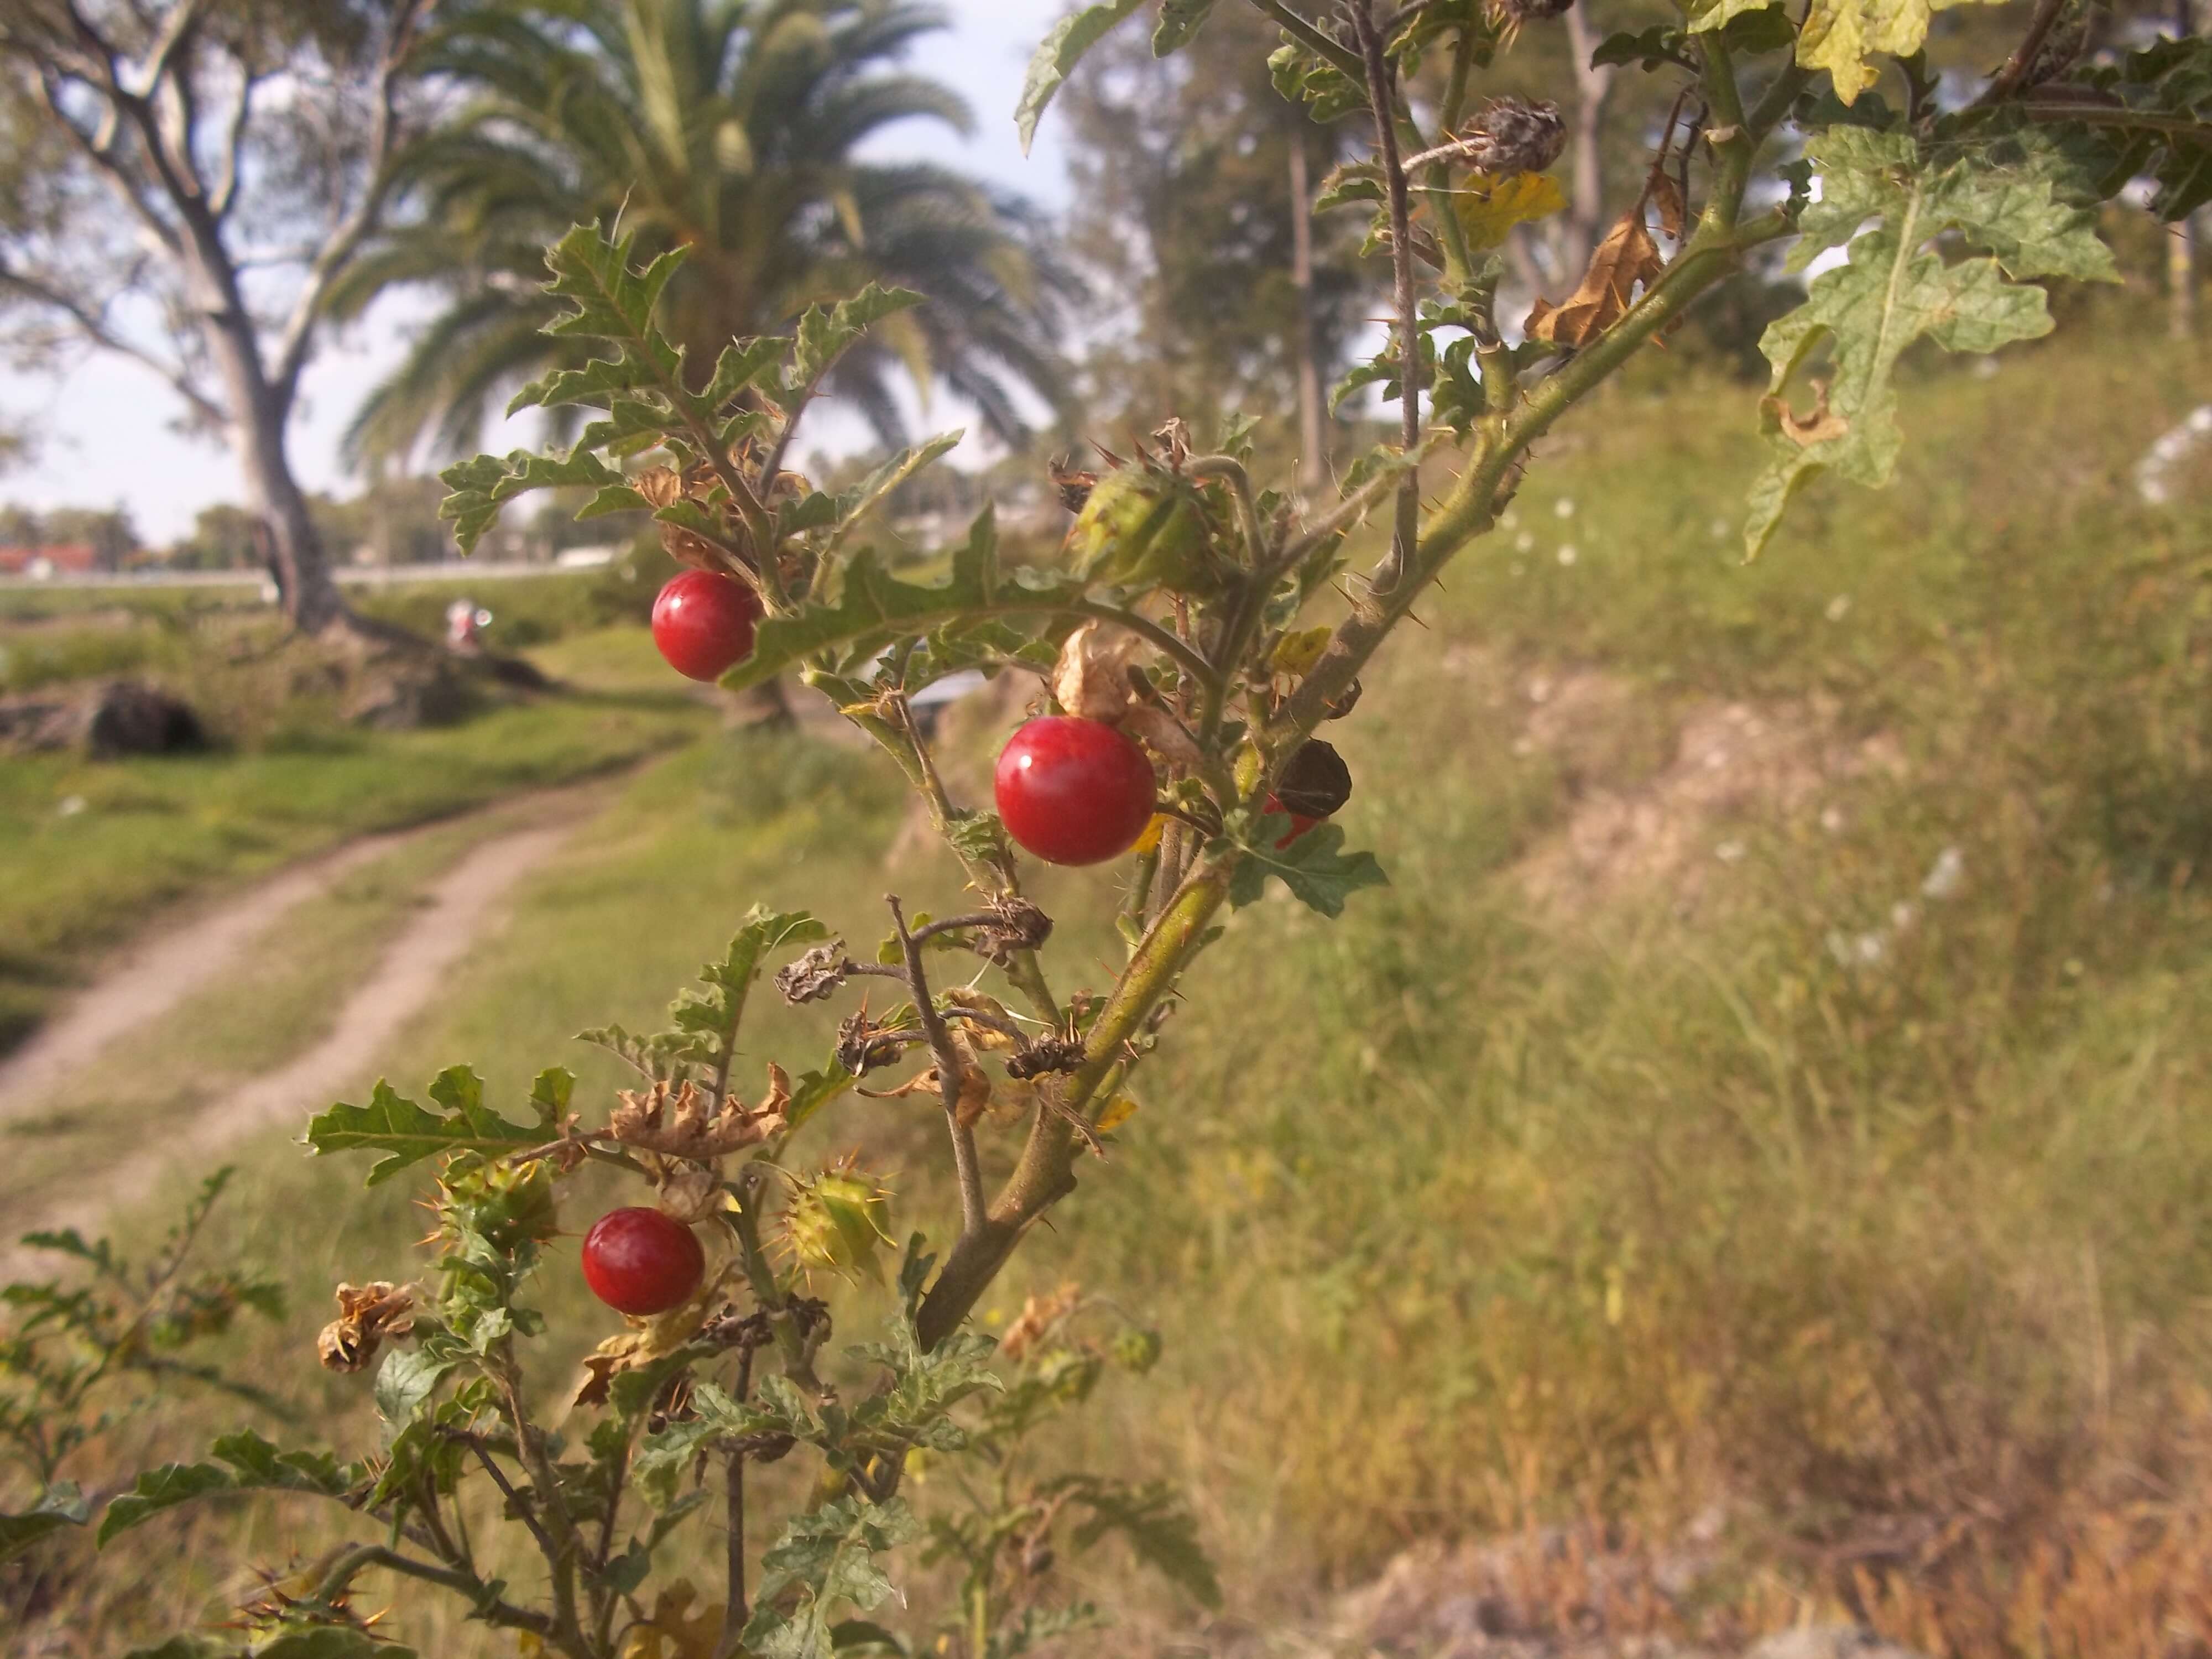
1747,1167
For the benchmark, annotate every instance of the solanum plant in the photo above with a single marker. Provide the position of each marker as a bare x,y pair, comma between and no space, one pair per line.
1194,635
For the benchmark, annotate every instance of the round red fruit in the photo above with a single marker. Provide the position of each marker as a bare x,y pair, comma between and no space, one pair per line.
1073,790
640,1262
703,623
1300,822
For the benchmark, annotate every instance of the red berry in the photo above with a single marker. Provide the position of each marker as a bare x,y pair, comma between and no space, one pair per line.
1300,823
703,623
641,1261
1073,790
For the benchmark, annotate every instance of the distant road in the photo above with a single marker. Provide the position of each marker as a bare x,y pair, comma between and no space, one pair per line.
379,575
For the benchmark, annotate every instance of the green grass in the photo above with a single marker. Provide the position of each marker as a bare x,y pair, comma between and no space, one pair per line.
91,847
1469,1210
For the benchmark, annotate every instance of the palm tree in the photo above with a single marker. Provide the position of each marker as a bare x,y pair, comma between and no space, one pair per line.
729,127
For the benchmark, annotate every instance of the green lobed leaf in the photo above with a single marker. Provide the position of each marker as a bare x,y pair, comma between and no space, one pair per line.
478,487
1057,55
1152,1521
245,1462
1841,36
407,1133
61,1506
405,1382
1180,23
825,336
821,1558
871,607
2017,196
1315,866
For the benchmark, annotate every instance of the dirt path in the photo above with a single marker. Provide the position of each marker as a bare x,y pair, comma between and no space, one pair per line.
455,911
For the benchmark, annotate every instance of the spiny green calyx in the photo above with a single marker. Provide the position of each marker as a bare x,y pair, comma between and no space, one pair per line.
835,1221
1145,525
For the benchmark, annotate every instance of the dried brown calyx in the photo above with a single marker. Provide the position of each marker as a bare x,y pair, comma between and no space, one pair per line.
682,1122
864,1043
1015,925
1050,1054
366,1314
1515,135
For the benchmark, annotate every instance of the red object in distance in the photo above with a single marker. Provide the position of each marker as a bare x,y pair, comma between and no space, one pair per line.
703,623
1073,790
641,1261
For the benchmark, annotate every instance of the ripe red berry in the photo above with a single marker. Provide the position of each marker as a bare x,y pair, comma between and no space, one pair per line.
640,1262
703,623
1300,823
1073,790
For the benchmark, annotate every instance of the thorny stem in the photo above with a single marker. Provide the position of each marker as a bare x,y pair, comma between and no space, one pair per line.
1044,1174
798,1358
734,1610
899,740
560,1527
949,1076
523,1509
493,1611
1381,93
2016,67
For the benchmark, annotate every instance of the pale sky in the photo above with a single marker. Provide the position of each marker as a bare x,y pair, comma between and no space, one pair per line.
104,427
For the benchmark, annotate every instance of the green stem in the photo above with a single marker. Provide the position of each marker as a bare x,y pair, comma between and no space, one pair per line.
1045,1172
798,1360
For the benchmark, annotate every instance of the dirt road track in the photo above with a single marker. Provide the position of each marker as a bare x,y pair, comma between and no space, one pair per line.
455,913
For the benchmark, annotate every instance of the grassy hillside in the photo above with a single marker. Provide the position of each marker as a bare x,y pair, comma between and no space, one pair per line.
1767,1092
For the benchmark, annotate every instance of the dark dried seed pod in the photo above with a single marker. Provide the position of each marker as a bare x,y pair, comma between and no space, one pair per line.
1515,135
1074,486
1052,1055
1315,782
1015,925
863,1045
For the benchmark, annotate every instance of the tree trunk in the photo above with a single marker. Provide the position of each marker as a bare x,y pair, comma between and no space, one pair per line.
1584,218
259,416
1313,434
2181,278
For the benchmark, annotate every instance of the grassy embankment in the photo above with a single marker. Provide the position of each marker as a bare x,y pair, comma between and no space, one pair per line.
90,848
1734,1182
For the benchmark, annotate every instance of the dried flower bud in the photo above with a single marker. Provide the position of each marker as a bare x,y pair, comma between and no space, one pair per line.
366,1314
1515,135
1074,486
679,1122
1315,782
815,976
1016,925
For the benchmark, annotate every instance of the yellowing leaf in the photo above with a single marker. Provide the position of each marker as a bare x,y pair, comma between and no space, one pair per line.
1840,35
1296,652
1489,208
1117,1112
1150,841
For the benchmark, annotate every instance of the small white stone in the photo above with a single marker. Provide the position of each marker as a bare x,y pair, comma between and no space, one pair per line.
1838,608
70,805
1569,554
1945,875
1729,852
1565,506
1524,541
1832,820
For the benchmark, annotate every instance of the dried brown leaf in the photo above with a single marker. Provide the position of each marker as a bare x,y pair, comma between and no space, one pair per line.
366,1314
1626,258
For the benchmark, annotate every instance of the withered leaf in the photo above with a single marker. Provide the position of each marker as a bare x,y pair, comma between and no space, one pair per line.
1674,212
366,1314
1626,258
1821,426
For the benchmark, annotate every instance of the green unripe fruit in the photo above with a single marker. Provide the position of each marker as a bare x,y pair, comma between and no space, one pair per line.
836,1222
1145,526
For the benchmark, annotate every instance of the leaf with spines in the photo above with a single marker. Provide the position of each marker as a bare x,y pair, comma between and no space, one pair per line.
703,1024
2017,196
407,1133
826,336
1057,55
243,1463
823,1559
870,608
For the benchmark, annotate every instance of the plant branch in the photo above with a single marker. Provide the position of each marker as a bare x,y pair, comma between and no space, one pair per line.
1045,1174
733,1513
2015,68
524,1509
489,1608
1330,51
90,324
1381,93
950,1076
